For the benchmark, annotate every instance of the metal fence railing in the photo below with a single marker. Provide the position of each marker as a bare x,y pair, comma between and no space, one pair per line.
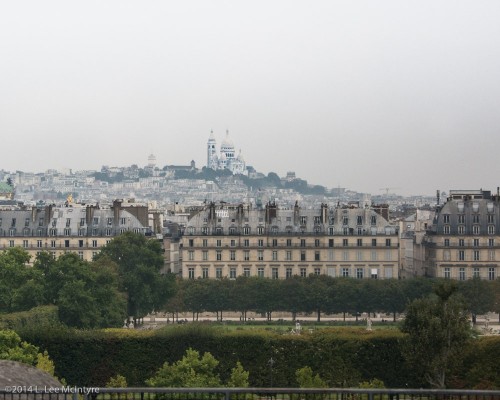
94,393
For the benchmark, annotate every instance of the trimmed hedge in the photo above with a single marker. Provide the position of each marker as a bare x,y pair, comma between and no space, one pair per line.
343,357
38,316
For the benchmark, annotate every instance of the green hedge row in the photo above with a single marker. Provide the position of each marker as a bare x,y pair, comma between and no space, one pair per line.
343,357
38,316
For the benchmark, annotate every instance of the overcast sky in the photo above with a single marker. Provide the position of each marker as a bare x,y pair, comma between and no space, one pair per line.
358,94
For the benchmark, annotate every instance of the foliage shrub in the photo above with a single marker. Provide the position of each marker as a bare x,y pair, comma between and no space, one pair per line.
341,357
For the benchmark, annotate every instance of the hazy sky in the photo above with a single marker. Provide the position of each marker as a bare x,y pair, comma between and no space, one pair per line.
357,94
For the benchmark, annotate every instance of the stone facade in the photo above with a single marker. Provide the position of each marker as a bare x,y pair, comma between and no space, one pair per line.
464,240
232,240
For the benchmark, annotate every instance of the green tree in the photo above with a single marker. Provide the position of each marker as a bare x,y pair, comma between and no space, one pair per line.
13,348
13,274
478,295
306,379
438,331
239,377
192,370
139,263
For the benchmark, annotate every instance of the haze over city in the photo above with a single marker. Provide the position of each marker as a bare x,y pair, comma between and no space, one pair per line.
364,95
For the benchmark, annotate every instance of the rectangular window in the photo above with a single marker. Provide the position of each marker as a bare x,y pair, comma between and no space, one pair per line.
218,273
204,243
446,229
260,255
275,256
345,255
461,219
491,219
204,272
317,271
260,230
374,242
345,272
461,229
317,256
94,243
232,273
373,220
260,272
218,255
303,272
491,255
289,243
447,273
316,243
246,255
275,242
475,229
191,243
302,243
476,243
461,242
232,255
373,255
289,256
345,242
191,255
39,243
461,255
359,242
233,243
388,242
446,218
302,256
461,273
447,242
476,255
218,243
491,273
204,255
359,256
359,273
288,272
246,271
330,242
275,273
246,243
52,243
331,255
191,273
475,272
260,243
25,244
80,255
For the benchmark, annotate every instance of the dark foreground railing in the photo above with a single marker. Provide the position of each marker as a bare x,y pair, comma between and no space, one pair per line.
92,393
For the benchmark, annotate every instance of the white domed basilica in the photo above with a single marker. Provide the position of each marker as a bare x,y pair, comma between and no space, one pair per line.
226,159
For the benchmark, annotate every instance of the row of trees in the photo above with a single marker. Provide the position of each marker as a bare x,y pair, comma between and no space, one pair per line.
123,280
318,294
